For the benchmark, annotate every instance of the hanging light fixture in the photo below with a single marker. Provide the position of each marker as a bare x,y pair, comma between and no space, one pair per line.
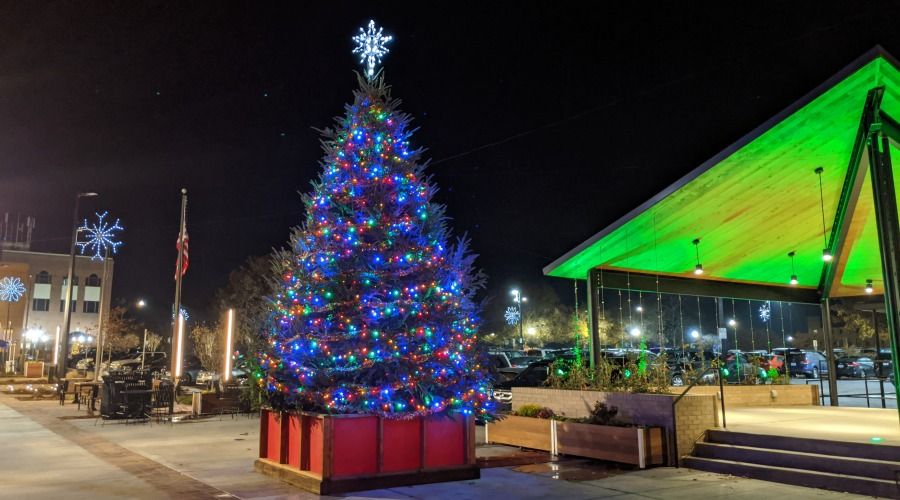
698,269
869,286
826,254
794,279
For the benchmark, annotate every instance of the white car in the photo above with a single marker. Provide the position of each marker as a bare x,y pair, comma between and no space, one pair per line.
206,377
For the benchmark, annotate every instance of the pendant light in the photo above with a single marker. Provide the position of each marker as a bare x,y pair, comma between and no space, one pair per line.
794,279
698,269
826,254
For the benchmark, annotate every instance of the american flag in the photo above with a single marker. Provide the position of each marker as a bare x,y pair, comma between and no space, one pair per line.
184,260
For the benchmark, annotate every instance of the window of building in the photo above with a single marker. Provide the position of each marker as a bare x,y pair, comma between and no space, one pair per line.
42,277
92,280
40,305
91,307
62,305
66,281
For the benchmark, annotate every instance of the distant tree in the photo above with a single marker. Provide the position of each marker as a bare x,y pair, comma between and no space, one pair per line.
121,332
153,342
207,346
853,322
246,292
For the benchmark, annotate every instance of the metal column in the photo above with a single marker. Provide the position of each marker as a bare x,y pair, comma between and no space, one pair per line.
885,198
593,300
829,353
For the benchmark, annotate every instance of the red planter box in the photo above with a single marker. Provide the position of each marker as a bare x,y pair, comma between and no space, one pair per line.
338,453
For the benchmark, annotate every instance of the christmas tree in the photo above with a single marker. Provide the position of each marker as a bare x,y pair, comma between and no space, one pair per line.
375,311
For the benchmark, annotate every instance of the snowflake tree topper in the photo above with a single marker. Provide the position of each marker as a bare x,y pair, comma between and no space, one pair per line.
370,45
100,237
11,289
512,316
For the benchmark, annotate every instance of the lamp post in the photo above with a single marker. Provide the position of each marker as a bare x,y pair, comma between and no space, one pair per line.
141,303
67,312
519,299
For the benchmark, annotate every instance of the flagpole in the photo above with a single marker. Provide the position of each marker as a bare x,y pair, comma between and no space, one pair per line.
178,324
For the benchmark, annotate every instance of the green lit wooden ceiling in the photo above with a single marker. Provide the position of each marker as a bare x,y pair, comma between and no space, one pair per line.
759,199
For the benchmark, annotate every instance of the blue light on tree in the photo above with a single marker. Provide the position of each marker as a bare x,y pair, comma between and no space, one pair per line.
11,289
512,316
100,237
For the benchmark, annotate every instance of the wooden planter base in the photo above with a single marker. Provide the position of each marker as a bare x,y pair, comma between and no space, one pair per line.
316,484
328,454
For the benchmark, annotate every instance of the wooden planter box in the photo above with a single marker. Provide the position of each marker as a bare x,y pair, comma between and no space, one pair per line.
328,454
641,446
527,432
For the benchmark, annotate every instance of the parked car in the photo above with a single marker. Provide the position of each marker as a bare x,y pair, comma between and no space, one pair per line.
533,376
855,367
810,364
523,361
501,367
153,361
738,369
239,374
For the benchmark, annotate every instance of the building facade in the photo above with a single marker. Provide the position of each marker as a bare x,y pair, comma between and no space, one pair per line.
33,321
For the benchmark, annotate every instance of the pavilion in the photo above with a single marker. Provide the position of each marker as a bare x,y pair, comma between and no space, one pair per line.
801,209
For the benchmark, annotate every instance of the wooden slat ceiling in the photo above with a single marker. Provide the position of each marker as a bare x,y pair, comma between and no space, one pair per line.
759,200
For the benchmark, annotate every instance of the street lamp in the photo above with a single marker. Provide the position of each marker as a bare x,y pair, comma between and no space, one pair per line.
695,334
532,330
67,313
519,300
141,303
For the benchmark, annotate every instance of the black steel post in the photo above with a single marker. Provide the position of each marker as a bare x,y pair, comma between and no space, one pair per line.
885,198
829,353
593,318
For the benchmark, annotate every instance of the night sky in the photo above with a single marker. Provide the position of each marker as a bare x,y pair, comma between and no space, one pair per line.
544,121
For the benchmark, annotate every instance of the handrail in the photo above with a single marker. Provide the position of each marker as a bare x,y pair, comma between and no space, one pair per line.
714,366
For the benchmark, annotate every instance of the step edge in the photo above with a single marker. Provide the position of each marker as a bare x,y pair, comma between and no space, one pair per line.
874,461
789,469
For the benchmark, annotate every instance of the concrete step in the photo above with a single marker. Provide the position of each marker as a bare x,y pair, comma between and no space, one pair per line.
803,445
875,469
799,477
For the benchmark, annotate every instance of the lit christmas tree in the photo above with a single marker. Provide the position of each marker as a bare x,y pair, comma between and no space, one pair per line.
375,311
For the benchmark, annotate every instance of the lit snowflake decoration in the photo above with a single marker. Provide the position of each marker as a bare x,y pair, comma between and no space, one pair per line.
511,315
100,237
184,314
370,47
765,312
11,289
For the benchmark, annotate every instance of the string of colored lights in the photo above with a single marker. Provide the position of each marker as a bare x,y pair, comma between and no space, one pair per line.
375,311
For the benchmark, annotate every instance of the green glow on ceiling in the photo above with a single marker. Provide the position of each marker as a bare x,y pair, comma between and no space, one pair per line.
760,202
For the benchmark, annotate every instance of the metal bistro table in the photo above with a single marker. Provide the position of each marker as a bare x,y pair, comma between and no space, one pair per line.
137,403
89,390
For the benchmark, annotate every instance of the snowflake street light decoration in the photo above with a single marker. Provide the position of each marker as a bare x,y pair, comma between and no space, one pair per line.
765,312
100,237
370,47
512,316
11,289
184,314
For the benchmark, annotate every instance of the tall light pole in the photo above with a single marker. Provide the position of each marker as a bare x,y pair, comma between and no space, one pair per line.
62,368
519,300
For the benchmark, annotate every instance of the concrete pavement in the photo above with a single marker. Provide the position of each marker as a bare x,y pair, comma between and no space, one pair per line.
52,451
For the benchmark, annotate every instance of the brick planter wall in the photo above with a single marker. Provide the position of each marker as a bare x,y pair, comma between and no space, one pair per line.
737,396
695,413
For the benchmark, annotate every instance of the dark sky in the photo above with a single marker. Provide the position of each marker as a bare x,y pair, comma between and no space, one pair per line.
545,121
